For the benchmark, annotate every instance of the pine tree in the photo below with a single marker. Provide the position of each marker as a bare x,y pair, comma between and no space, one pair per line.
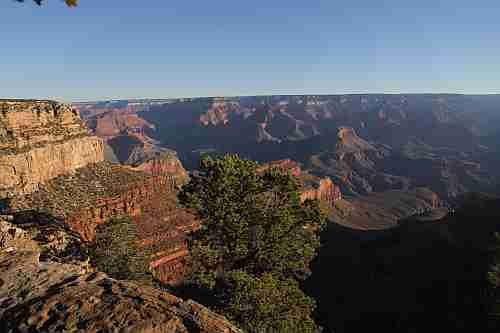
255,244
116,252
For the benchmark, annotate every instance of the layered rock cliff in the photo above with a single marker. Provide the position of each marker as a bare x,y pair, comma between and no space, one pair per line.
40,140
94,194
51,166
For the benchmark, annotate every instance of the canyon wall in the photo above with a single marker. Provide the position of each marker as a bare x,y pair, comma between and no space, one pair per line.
52,168
40,140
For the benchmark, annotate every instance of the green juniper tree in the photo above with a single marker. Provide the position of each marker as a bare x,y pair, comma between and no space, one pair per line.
116,252
255,244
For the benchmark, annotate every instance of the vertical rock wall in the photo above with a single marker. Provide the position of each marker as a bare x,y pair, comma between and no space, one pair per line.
40,140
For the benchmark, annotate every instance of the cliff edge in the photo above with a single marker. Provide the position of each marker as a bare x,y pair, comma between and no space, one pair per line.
40,140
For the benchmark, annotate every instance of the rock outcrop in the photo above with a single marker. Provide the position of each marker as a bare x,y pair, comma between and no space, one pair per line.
47,296
40,140
349,141
220,112
159,162
110,124
322,189
51,167
311,186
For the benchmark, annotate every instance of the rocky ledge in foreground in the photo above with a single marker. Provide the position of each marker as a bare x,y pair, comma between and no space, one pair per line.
38,296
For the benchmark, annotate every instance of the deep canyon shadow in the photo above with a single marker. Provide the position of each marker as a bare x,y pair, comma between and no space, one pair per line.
417,277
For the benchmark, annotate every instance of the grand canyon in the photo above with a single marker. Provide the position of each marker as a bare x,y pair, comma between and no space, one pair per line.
365,143
249,166
388,170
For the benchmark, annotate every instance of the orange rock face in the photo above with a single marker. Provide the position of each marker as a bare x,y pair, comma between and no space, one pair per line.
40,140
113,122
150,201
312,187
327,191
128,203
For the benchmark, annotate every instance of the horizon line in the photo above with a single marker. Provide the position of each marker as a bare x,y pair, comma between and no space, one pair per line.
264,95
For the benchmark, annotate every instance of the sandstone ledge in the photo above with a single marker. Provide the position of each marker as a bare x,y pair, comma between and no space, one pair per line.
52,297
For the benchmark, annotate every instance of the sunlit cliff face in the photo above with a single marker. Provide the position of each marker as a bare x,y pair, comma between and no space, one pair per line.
40,140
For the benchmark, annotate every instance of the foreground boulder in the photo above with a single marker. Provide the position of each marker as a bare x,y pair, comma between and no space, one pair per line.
47,296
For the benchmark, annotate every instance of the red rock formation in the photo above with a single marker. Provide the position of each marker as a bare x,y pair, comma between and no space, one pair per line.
326,191
170,268
144,203
128,203
149,200
163,164
114,122
286,165
312,187
49,164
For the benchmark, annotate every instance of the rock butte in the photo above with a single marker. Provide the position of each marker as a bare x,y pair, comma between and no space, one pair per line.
311,187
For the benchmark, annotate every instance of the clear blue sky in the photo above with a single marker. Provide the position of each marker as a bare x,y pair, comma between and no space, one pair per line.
168,48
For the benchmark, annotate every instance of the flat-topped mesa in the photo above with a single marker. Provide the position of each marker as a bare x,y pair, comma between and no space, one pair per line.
40,140
311,187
